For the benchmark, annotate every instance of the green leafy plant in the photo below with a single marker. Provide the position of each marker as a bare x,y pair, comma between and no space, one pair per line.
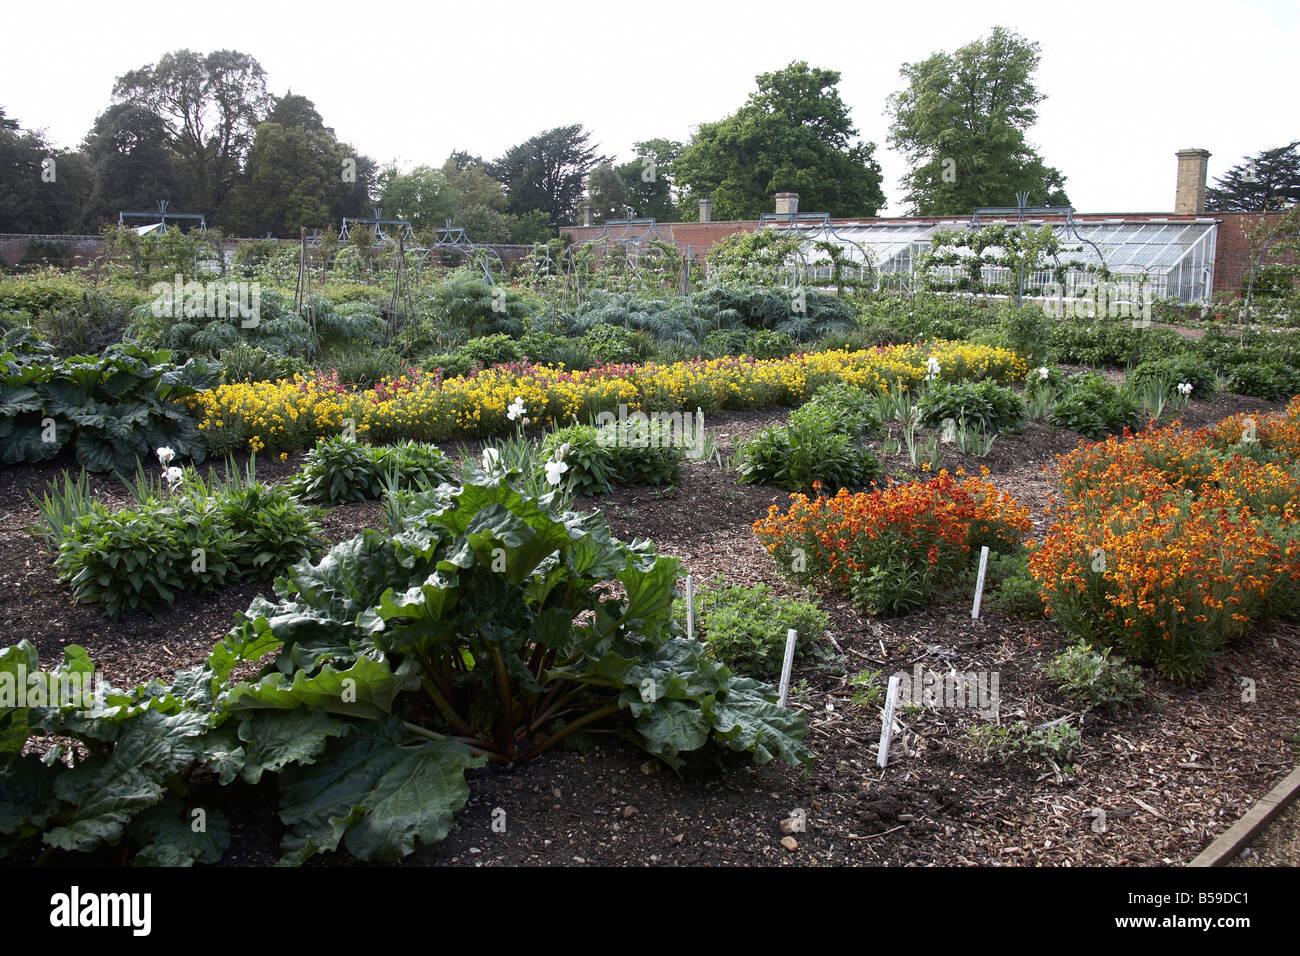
190,540
746,627
1015,592
339,470
984,405
1091,406
1094,680
114,409
810,448
1056,741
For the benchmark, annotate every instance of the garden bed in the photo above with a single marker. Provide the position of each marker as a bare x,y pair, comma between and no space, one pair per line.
1169,776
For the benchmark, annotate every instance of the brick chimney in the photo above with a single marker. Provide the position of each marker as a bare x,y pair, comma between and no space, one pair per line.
1192,166
787,204
586,214
706,210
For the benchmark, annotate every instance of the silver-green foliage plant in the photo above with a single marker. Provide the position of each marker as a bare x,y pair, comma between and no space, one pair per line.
1094,680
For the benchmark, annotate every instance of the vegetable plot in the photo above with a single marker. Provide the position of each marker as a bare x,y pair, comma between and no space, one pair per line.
488,626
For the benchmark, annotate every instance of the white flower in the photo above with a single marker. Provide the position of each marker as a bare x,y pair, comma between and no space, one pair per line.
1185,388
491,459
165,455
554,469
1043,373
931,368
563,450
174,475
516,409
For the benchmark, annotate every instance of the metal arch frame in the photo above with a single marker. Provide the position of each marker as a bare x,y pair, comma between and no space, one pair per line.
448,236
377,222
822,229
162,215
635,242
1022,212
1250,284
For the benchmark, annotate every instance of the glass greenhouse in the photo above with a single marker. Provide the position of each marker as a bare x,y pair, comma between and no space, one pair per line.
1177,256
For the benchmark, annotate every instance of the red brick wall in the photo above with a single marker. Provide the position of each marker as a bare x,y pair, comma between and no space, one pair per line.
1232,257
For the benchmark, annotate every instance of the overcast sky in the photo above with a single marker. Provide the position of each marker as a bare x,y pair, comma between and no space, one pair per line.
1127,83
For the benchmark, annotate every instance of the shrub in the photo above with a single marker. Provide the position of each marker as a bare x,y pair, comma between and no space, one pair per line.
1017,592
1093,407
591,468
855,409
1094,680
894,548
190,541
1176,370
1110,342
613,343
249,363
1269,380
984,405
765,344
1165,547
356,365
114,409
811,448
745,627
338,470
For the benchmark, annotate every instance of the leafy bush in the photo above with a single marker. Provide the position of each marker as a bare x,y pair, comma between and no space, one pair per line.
1176,370
896,547
856,409
617,345
1093,407
811,448
765,344
191,541
745,627
602,458
1110,342
1056,741
338,470
249,363
984,405
1094,680
1269,380
116,408
399,662
591,468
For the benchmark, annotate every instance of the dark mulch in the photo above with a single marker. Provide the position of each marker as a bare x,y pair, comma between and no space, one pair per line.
1169,777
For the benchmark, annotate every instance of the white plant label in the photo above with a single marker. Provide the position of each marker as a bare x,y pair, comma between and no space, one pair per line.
887,722
790,638
979,582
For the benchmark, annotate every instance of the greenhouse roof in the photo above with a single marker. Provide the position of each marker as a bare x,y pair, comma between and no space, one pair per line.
1152,245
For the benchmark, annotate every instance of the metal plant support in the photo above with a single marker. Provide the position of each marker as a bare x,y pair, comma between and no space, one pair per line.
1022,212
455,239
817,227
1254,267
162,215
636,238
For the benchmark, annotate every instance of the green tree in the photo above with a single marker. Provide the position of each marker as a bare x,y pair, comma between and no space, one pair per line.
962,120
212,105
606,193
548,172
1269,180
792,135
130,162
649,179
423,196
42,188
298,174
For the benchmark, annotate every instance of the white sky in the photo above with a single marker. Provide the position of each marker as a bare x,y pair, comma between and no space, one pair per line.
1127,83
